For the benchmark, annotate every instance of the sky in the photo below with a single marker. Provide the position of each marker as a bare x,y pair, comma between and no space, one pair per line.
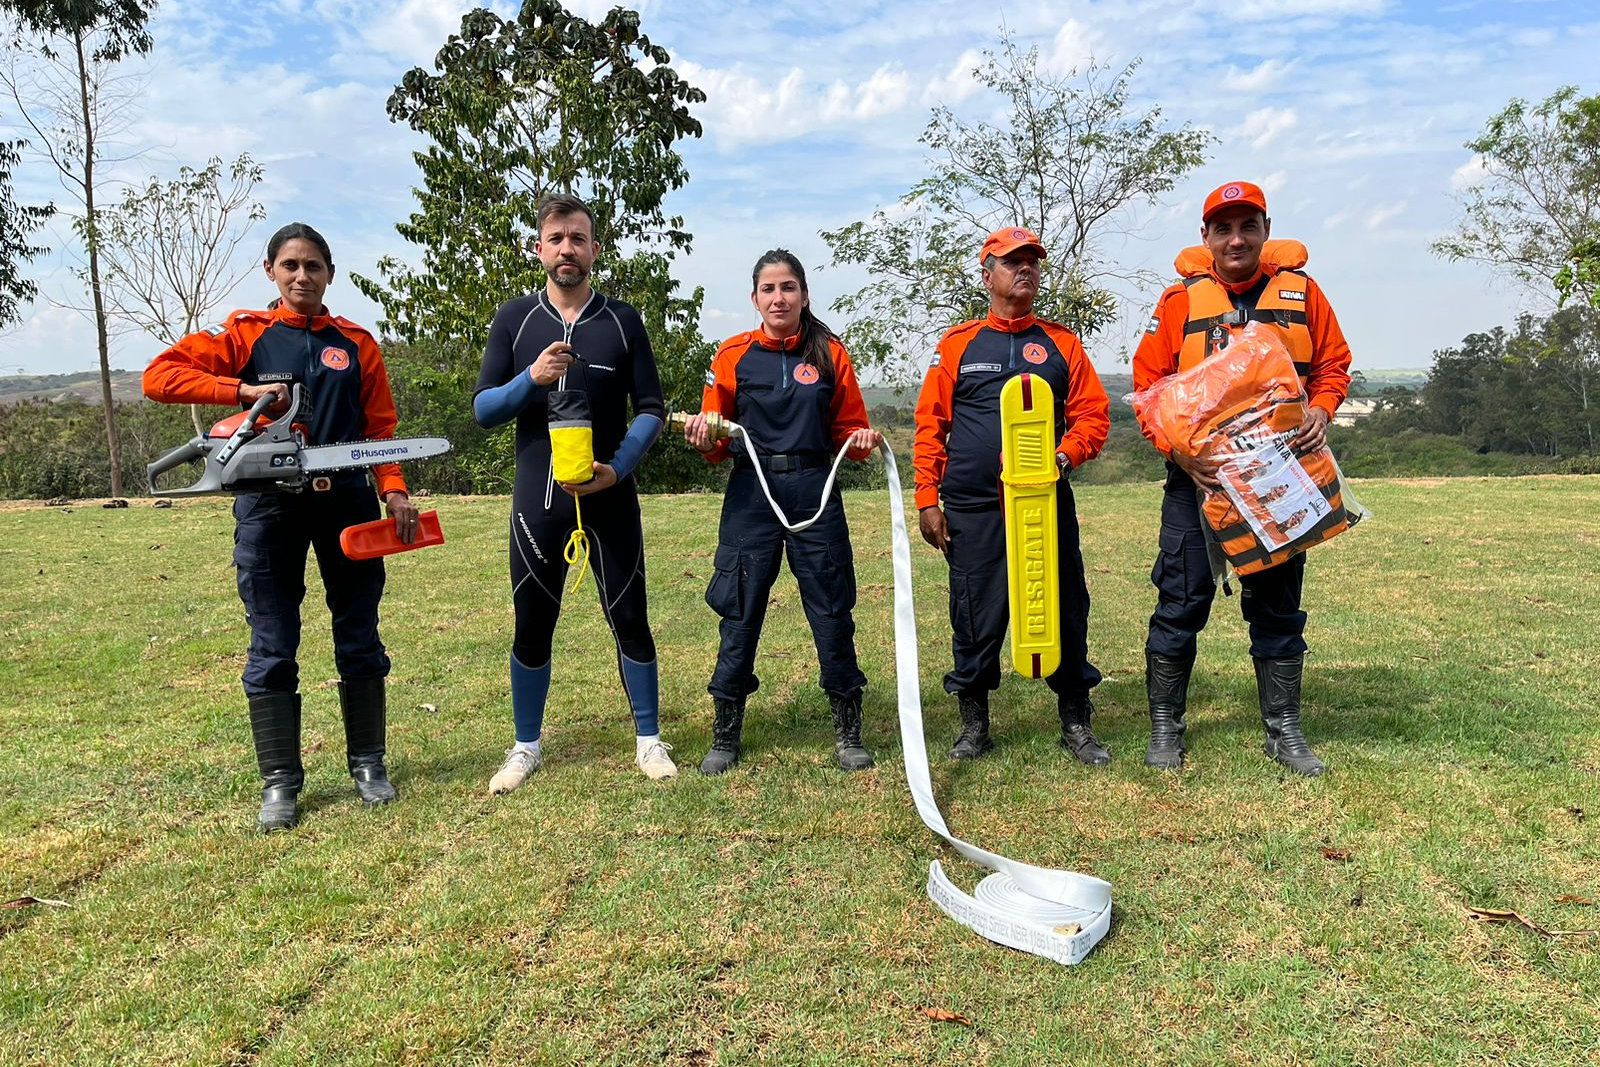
1352,114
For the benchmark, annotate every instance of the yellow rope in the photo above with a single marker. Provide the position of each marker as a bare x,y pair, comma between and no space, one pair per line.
577,546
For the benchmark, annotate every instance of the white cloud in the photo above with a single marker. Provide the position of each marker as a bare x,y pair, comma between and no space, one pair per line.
412,30
1278,10
1263,125
1468,174
1381,215
1264,76
743,108
1074,46
956,84
1274,181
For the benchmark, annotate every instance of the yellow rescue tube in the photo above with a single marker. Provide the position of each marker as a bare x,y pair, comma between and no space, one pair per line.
1028,475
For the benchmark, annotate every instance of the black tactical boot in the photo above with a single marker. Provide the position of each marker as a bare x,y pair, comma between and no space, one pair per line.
973,741
362,702
1278,686
848,750
275,726
1076,737
725,733
1166,684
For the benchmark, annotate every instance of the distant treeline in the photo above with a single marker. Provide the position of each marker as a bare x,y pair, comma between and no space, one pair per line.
1507,402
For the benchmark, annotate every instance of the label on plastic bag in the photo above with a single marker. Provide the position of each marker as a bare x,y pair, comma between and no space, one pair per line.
1271,489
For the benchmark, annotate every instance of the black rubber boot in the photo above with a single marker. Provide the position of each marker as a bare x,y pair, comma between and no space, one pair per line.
1278,687
725,733
362,703
1166,684
275,726
848,751
973,741
1076,736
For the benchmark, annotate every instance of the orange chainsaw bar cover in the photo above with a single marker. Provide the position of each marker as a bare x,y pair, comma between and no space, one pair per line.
368,540
1239,407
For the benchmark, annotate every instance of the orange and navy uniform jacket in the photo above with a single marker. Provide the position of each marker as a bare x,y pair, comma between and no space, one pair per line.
789,406
337,361
957,450
1201,310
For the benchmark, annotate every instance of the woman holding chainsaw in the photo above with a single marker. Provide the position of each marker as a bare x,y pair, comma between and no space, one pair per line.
791,385
340,373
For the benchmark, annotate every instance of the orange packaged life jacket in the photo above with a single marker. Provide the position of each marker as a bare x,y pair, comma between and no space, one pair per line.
1240,407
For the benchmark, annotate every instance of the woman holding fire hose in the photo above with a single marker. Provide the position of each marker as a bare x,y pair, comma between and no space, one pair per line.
250,355
791,384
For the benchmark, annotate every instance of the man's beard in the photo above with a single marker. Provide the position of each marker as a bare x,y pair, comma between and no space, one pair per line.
570,281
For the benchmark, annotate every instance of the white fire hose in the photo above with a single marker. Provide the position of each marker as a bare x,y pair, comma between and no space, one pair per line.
1060,915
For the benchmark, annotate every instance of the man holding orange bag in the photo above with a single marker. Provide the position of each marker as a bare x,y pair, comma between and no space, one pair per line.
1236,278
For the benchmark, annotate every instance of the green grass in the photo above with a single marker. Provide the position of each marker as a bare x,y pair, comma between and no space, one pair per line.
777,915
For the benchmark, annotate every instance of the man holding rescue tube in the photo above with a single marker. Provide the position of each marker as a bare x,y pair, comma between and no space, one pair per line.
957,463
1237,277
570,337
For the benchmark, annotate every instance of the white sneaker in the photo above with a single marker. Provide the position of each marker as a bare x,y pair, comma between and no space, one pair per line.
520,762
653,760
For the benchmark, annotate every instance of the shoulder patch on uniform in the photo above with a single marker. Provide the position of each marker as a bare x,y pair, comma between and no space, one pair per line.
711,376
216,329
1155,324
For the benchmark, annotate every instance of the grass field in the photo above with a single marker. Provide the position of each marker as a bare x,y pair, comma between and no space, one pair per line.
777,915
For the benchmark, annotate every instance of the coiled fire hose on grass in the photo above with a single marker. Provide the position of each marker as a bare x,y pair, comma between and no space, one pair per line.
1060,915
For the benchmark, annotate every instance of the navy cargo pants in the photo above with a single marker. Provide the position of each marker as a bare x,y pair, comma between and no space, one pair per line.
750,548
273,533
980,606
1185,586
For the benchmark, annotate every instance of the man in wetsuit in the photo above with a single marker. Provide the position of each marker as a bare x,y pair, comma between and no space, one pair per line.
571,337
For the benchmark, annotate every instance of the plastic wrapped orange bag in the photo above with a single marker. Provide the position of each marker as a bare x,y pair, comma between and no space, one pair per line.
1239,408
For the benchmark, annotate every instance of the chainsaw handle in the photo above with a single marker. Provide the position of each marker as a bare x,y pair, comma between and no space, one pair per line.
187,452
246,430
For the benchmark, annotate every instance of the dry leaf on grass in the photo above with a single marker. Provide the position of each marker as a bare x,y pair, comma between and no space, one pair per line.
28,902
1573,898
1337,855
940,1015
1497,915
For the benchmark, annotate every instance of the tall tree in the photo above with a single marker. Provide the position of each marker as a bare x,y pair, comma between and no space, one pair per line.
1535,213
1076,153
18,222
547,102
68,104
170,248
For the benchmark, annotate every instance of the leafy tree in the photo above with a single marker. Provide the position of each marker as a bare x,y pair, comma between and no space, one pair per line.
169,248
17,224
1076,153
74,102
1536,212
514,109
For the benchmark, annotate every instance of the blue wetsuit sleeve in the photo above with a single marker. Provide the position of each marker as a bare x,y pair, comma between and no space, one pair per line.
641,435
502,403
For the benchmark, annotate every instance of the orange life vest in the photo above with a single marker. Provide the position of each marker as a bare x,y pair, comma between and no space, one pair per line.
1213,320
1240,405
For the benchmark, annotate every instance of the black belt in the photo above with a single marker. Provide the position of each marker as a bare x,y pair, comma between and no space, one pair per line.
784,463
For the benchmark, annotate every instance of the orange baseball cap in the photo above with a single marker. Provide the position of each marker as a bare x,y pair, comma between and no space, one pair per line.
1008,239
1234,193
